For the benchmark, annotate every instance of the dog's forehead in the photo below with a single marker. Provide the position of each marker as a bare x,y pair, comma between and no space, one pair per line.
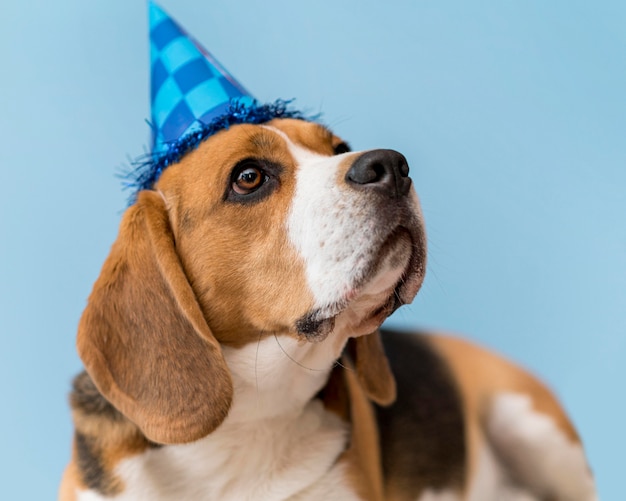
273,139
309,135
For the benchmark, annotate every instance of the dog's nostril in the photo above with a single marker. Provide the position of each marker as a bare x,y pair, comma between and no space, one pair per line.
404,169
366,173
379,172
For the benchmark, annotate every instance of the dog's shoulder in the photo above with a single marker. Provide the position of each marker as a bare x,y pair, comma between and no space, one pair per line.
103,436
423,433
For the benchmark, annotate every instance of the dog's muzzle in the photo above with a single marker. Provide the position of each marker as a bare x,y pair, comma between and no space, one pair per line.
392,220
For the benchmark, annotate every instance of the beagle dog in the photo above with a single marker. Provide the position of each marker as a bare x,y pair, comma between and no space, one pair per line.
232,350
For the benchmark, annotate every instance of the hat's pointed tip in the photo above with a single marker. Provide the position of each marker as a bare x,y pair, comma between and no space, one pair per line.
155,14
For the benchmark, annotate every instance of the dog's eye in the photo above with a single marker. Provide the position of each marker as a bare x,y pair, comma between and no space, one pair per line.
253,180
341,148
248,179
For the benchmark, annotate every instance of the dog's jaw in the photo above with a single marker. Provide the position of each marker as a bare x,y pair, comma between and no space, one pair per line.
373,302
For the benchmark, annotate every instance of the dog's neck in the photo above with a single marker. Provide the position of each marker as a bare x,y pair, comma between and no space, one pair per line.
274,420
278,376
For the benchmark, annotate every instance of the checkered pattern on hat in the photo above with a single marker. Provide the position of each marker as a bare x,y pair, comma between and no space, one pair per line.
188,84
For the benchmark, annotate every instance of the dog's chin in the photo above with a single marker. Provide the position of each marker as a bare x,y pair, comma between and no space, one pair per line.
392,280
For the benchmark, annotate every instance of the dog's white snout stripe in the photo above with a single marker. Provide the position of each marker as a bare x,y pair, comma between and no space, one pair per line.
327,224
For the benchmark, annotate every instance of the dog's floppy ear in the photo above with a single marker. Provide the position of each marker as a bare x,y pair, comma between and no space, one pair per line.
372,368
144,340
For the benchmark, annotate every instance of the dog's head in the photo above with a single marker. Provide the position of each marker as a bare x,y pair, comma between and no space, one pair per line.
262,230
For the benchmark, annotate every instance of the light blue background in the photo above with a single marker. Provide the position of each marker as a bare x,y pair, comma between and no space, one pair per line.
512,115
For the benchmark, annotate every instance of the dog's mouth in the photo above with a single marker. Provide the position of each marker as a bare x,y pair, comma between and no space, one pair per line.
392,280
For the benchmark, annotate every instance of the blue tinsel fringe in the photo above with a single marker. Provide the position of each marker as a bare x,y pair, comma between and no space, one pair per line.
146,170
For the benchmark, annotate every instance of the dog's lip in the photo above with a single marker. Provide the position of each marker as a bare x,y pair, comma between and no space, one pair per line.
381,312
402,292
411,279
393,241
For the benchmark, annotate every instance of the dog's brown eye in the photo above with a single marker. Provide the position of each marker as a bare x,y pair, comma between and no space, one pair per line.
248,180
341,148
253,180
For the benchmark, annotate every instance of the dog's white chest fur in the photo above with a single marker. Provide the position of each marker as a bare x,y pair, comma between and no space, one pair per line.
272,460
272,446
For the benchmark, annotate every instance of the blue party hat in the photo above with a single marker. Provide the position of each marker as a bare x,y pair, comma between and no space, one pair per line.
189,87
192,97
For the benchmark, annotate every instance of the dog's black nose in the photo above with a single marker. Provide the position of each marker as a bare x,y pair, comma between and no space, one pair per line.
385,171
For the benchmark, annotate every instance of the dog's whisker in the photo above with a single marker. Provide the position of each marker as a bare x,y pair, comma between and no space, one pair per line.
294,360
256,367
339,364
